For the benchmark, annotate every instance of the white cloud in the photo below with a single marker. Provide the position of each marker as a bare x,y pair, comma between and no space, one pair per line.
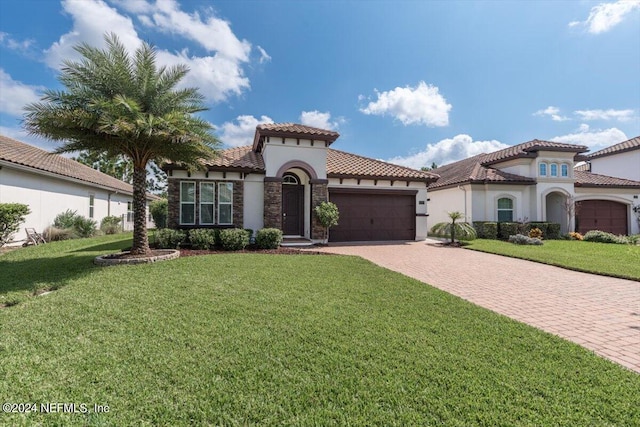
320,120
91,20
264,56
605,16
595,139
242,132
218,75
553,112
13,44
448,150
15,95
422,105
620,115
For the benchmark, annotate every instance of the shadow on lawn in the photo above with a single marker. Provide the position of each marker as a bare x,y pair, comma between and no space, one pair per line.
42,273
108,247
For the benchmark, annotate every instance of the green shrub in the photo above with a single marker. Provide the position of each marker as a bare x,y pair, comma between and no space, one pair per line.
553,231
159,210
110,225
85,227
65,219
202,238
55,234
249,232
520,239
506,229
542,226
234,239
167,238
269,238
486,229
11,216
328,216
479,227
604,237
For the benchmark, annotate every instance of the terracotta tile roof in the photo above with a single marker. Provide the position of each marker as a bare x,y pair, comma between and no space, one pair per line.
19,153
629,145
239,158
588,179
529,149
344,165
291,130
472,170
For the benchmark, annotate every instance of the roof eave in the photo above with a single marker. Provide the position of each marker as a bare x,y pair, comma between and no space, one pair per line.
382,177
589,185
613,153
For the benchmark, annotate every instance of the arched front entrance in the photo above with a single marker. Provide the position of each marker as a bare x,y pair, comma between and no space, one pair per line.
559,209
292,204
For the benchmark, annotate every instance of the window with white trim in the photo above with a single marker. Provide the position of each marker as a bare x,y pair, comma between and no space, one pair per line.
543,169
92,205
225,203
187,203
553,169
505,209
207,202
564,170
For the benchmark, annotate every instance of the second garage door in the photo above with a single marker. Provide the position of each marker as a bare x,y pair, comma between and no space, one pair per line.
374,215
603,215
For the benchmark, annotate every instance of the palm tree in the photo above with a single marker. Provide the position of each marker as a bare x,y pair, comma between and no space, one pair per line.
122,104
462,230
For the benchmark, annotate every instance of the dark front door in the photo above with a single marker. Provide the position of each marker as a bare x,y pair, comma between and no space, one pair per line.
293,210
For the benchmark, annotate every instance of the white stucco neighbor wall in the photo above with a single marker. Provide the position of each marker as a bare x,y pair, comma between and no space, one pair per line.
47,196
622,165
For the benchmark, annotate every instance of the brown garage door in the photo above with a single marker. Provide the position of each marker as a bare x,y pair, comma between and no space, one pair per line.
374,215
601,215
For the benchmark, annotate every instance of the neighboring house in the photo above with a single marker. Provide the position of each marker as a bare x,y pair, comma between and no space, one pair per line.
621,160
50,184
285,174
536,181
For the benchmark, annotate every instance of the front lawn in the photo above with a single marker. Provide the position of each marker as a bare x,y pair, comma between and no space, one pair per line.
235,339
600,258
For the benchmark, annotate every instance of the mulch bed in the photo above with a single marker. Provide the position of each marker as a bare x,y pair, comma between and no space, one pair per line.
251,250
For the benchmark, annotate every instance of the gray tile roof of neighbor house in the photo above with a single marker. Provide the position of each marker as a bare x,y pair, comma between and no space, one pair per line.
39,160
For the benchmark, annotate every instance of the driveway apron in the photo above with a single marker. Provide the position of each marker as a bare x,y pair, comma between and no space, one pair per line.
599,313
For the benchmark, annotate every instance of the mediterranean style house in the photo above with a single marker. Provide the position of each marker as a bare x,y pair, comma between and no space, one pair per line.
537,181
285,174
50,184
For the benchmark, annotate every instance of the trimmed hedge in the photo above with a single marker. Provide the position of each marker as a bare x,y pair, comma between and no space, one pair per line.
167,238
553,231
234,239
269,238
202,238
506,229
486,229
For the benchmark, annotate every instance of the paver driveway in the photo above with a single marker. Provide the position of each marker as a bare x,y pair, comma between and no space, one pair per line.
599,313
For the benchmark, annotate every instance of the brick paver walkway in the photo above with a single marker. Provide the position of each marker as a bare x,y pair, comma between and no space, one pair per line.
599,313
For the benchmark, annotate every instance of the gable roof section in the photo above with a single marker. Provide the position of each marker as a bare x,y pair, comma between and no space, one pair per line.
291,130
19,153
478,170
238,159
593,180
341,164
529,150
629,145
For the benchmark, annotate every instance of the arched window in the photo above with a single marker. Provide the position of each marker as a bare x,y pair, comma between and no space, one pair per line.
505,209
543,169
554,169
290,178
564,170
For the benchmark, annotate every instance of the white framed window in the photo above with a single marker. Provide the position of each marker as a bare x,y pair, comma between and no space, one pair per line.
225,203
564,170
505,209
553,168
187,203
92,205
129,211
207,202
543,169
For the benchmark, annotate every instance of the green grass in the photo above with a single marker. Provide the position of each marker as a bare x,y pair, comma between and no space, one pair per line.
237,339
600,258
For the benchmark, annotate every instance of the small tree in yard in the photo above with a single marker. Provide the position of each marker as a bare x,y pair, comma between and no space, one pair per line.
11,216
123,104
459,230
159,210
328,215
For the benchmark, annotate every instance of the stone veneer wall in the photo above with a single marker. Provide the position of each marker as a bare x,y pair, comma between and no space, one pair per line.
173,190
319,193
273,203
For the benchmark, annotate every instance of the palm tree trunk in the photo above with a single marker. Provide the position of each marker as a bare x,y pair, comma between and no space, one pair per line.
140,238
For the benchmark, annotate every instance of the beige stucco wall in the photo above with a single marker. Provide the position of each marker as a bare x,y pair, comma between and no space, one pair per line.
276,154
623,165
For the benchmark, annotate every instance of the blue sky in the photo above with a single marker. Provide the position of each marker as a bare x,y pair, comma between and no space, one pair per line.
413,82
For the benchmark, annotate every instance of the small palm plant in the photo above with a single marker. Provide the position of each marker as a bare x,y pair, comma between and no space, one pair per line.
459,230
